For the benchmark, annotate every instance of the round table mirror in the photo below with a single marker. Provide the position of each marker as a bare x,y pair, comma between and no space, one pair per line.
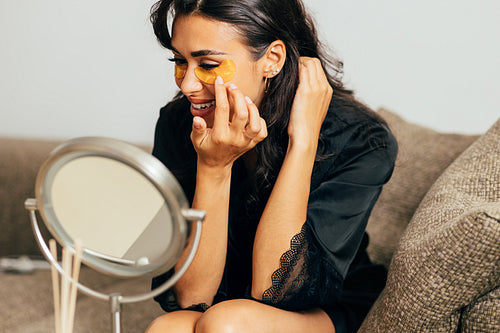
123,204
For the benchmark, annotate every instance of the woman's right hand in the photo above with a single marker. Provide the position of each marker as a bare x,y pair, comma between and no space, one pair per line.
237,128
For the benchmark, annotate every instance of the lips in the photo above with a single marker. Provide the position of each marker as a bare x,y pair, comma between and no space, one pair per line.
202,108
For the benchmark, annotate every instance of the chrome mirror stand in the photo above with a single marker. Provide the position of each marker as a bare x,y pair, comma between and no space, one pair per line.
116,299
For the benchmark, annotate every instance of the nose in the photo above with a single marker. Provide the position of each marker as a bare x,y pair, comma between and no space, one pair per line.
190,83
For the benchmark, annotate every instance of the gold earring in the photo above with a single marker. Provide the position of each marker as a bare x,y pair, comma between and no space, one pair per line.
267,83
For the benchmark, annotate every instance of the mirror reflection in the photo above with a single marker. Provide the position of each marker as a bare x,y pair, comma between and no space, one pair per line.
112,208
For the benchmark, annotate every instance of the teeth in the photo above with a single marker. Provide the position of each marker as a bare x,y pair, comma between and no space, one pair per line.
203,106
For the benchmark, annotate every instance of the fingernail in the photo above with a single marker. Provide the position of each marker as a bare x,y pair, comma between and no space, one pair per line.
219,80
248,99
196,123
233,86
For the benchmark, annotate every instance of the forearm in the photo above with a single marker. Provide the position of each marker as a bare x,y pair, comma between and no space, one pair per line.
200,282
284,215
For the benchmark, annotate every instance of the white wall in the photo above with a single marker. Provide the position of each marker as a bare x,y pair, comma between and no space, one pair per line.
76,68
435,62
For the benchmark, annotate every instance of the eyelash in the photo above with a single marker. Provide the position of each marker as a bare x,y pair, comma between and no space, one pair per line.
182,62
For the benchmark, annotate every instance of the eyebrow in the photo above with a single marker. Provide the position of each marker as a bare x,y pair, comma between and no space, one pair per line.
202,53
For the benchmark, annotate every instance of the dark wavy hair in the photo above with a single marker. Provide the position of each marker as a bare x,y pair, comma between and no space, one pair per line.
259,23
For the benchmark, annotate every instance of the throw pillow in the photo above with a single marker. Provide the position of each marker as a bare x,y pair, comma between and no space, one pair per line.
423,155
449,256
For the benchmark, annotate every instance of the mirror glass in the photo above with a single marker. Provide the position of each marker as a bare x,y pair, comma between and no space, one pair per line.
122,204
97,200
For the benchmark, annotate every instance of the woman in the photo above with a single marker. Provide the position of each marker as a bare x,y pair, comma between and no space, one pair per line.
285,162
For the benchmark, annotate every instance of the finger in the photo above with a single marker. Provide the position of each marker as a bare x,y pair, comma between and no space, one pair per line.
304,75
263,131
313,72
320,72
221,116
199,130
312,66
254,125
240,109
322,80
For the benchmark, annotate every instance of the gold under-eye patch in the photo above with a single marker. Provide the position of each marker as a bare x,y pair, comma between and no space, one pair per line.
225,70
180,71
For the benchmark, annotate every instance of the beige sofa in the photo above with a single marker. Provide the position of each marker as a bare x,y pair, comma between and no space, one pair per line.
439,279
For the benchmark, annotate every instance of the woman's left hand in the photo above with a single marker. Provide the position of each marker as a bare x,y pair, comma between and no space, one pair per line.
310,104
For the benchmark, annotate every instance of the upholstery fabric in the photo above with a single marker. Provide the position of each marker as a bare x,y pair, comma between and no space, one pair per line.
449,255
423,155
20,160
482,315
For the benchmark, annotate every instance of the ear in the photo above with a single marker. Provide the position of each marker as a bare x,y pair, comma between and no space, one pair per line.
274,59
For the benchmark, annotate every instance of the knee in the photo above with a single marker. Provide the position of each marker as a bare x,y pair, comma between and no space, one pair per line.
226,317
160,324
181,321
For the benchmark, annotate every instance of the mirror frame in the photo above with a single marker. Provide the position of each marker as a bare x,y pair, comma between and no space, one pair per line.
142,162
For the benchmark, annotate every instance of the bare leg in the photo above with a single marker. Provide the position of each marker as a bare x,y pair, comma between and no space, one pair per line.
243,316
179,321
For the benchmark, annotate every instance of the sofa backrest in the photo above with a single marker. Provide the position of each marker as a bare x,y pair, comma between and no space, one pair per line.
423,155
20,160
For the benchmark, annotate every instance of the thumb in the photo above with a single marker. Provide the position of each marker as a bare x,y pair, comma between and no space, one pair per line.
199,129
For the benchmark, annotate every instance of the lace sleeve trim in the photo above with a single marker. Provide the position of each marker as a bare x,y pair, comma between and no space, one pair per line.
167,299
305,278
171,305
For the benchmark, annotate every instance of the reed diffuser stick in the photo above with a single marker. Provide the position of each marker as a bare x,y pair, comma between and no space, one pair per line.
65,286
55,287
75,276
65,293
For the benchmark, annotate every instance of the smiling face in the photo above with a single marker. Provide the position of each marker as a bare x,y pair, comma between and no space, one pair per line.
202,44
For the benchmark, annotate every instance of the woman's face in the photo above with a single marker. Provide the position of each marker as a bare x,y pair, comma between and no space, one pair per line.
201,42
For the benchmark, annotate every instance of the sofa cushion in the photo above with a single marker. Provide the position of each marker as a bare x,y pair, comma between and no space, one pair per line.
423,155
449,256
482,315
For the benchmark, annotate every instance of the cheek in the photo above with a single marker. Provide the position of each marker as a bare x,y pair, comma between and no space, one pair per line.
250,88
250,82
178,82
210,88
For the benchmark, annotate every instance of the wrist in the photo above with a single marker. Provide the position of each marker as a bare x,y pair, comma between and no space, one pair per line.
205,171
304,147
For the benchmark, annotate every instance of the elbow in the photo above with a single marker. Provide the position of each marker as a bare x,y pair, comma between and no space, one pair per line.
260,288
187,298
257,293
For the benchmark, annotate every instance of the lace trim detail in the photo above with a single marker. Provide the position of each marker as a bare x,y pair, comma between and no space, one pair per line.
202,307
305,278
167,299
170,304
288,276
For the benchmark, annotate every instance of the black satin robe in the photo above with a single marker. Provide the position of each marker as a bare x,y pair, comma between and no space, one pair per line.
327,265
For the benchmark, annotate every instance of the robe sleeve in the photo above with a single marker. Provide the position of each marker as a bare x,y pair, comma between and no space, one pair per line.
312,271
